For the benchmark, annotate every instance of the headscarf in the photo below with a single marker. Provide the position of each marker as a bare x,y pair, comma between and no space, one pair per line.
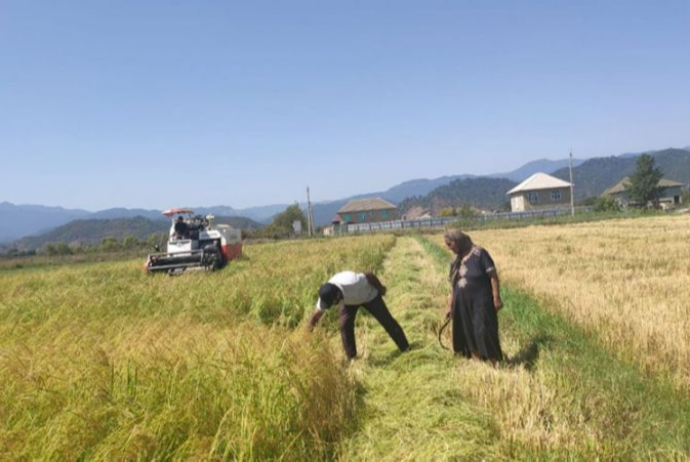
463,244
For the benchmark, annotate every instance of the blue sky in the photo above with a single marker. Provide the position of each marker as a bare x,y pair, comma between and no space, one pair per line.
154,104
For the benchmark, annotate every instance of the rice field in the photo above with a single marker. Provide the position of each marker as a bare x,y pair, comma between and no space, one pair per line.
558,395
99,361
102,362
627,281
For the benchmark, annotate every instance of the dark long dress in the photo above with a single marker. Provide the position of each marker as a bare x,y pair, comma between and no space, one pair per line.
475,321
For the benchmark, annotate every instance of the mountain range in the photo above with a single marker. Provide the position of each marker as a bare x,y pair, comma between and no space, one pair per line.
541,165
17,221
92,231
484,193
591,177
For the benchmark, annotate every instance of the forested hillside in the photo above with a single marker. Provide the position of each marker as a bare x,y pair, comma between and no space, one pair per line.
596,175
18,219
485,193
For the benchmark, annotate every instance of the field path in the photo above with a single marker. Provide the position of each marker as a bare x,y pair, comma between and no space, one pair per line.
559,394
412,407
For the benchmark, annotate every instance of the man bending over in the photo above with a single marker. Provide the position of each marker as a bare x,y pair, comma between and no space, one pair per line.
348,291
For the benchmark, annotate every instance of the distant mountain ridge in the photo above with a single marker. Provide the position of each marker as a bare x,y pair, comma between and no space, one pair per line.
595,175
591,177
17,221
541,165
255,213
92,231
483,193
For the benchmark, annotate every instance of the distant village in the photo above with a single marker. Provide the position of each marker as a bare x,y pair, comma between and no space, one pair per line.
609,185
539,195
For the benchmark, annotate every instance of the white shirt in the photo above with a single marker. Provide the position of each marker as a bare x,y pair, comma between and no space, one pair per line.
355,288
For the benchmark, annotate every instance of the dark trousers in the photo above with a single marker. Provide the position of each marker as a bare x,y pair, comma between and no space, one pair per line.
378,309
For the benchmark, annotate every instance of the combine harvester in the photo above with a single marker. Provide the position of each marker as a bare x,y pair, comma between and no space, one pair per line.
195,242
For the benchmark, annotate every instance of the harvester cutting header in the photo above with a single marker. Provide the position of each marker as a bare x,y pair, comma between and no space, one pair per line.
195,242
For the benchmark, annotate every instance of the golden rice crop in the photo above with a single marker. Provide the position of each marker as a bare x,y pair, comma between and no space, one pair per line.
626,280
273,283
102,362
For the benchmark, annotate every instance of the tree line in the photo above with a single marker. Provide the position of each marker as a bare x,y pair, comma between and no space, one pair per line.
107,244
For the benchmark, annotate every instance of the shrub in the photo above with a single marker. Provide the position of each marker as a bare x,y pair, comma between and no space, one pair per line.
606,204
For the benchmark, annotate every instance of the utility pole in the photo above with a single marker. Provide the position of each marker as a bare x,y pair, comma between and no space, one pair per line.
572,190
310,216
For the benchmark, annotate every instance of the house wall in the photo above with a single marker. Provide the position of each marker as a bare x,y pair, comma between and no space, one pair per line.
673,195
517,203
520,202
372,216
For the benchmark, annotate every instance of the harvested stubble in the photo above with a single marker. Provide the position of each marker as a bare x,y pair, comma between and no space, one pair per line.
102,362
561,395
626,280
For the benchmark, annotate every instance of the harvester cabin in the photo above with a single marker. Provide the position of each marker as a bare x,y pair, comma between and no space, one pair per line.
671,193
366,211
540,192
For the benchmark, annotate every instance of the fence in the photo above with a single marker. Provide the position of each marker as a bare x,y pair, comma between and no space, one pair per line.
441,222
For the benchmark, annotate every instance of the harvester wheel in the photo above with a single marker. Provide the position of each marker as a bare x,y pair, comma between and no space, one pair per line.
212,259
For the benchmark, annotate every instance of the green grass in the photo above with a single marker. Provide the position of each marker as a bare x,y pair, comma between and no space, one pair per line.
12,265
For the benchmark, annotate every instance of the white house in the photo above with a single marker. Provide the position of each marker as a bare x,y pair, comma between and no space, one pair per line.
540,192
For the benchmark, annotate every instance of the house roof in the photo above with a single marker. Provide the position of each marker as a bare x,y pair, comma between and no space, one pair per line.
365,205
336,219
623,184
539,181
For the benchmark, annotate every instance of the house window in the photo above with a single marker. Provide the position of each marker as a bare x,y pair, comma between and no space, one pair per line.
384,213
533,198
362,216
556,196
347,217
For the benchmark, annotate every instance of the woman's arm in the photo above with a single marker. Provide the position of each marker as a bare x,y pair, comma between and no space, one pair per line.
496,290
490,268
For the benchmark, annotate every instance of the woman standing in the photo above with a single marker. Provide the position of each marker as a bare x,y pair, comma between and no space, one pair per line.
475,301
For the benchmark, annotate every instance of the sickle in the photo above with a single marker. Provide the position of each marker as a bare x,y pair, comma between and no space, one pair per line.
440,333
